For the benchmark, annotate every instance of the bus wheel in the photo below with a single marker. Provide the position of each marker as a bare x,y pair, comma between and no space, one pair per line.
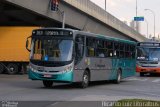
85,80
1,68
12,68
142,74
47,84
119,77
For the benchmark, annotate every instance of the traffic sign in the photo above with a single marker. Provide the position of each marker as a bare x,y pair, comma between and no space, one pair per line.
139,18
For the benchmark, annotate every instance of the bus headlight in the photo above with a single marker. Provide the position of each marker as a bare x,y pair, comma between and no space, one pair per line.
67,69
139,64
32,69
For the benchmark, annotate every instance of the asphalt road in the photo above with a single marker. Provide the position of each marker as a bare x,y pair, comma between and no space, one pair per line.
20,88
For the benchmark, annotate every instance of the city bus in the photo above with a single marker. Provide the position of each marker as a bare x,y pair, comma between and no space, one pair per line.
66,55
148,57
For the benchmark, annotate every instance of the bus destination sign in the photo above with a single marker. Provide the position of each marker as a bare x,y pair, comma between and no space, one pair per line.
51,32
149,44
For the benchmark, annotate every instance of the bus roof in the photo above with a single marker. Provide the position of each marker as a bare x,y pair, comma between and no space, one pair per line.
92,35
109,38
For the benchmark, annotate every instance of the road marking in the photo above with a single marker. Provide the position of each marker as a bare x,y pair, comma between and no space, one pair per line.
156,80
150,94
52,105
137,79
144,79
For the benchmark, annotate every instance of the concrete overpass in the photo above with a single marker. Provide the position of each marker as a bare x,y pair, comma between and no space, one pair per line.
80,14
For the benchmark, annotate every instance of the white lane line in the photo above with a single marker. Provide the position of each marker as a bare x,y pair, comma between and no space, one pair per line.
131,79
137,79
156,80
144,79
52,105
150,94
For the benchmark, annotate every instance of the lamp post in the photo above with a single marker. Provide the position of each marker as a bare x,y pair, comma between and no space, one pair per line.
105,5
154,19
136,8
147,27
136,16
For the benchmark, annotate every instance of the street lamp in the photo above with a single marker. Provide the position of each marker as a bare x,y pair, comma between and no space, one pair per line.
154,19
105,5
147,27
136,16
136,8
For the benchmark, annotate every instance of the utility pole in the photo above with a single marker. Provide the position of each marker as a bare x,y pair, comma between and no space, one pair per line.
63,19
136,8
154,16
136,16
105,6
147,28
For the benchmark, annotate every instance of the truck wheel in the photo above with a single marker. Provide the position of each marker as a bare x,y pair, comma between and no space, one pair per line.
47,84
1,69
85,80
119,77
12,68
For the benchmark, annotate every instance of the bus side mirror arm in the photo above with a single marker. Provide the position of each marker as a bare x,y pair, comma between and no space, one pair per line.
27,43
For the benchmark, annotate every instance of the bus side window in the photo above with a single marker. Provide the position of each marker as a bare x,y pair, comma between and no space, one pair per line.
132,49
121,50
91,45
100,50
127,51
116,49
79,47
110,49
91,52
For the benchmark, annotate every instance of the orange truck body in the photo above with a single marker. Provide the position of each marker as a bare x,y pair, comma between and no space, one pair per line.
147,69
13,44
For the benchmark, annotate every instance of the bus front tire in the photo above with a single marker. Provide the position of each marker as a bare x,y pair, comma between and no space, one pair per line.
85,80
47,84
119,77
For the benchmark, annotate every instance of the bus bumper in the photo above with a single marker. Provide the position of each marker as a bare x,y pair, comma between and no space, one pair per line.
64,77
147,69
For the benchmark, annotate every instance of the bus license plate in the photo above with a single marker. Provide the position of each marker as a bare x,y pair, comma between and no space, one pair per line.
47,76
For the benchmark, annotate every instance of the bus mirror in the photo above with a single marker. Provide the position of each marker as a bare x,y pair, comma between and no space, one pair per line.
27,44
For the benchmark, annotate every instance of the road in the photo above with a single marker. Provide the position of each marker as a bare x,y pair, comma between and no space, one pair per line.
20,88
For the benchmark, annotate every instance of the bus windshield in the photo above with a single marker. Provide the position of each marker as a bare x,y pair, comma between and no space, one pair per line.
151,54
57,49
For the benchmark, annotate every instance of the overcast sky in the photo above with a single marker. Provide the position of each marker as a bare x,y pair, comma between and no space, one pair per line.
125,10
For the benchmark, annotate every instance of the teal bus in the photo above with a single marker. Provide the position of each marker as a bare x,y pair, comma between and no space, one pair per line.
67,55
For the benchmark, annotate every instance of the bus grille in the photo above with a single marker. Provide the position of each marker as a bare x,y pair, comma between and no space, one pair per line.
149,62
149,66
48,71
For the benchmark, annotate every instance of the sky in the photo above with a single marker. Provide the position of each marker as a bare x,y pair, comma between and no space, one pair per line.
125,10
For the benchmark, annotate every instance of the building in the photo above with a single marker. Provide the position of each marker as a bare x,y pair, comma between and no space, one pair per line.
133,25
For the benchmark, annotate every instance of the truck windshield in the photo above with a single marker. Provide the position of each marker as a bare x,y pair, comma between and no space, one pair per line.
151,54
52,49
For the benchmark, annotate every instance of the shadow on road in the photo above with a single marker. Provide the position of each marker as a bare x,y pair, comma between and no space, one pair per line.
77,86
151,75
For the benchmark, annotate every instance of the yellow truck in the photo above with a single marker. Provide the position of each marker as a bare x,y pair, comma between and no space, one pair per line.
13,55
